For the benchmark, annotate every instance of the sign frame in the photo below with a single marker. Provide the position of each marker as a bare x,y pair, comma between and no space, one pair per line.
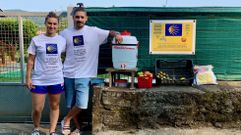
183,42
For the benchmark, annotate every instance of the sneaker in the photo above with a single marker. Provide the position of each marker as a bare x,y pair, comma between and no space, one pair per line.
76,132
35,132
53,133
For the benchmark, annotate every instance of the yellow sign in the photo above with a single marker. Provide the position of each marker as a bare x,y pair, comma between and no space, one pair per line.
172,36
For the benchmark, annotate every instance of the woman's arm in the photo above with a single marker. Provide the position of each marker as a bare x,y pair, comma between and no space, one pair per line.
31,59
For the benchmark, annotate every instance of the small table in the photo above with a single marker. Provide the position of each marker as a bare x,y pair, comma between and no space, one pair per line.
113,71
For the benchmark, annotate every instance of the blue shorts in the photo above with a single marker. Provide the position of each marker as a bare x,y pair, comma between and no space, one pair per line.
51,89
77,92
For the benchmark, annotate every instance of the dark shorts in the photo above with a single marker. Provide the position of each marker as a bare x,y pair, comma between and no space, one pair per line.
51,89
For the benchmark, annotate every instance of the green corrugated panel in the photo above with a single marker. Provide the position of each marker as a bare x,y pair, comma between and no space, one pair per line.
167,9
218,34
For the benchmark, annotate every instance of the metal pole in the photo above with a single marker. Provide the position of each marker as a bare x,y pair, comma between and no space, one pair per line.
69,17
165,4
21,48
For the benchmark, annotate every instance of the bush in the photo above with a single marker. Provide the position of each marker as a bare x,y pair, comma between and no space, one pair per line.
9,30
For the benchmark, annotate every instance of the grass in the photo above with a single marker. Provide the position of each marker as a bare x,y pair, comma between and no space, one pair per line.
12,79
13,76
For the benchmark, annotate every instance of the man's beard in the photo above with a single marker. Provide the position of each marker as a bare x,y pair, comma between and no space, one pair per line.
79,25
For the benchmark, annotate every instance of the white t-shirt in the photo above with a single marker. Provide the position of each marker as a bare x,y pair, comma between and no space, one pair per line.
82,51
48,65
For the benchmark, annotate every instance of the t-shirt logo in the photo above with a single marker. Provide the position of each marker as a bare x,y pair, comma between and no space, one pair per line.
51,49
78,40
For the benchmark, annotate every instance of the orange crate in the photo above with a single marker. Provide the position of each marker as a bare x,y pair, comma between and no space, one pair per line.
144,82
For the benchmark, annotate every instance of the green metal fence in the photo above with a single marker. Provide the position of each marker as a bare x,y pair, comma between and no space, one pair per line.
218,35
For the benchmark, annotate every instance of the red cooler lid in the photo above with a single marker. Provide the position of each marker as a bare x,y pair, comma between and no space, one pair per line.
127,38
125,33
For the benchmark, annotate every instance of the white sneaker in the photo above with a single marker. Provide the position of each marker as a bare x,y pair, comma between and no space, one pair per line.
35,132
53,133
76,132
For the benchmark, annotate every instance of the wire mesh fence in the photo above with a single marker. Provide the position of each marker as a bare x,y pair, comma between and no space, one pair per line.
16,32
9,46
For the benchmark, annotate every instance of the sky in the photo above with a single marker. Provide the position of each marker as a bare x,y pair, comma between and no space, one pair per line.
61,5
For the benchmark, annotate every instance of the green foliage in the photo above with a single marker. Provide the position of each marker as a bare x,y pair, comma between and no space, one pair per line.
29,30
62,23
9,32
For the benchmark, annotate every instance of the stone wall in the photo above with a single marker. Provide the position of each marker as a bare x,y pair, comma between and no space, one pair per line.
178,106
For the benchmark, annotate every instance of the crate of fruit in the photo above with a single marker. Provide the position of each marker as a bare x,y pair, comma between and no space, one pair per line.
144,79
178,72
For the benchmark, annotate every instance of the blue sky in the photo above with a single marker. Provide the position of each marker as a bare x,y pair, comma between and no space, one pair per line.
61,5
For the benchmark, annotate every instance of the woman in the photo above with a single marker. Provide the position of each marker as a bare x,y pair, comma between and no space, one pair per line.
44,72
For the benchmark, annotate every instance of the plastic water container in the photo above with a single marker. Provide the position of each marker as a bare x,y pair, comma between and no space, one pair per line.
124,55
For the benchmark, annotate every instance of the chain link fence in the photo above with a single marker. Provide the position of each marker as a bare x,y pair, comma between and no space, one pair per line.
16,32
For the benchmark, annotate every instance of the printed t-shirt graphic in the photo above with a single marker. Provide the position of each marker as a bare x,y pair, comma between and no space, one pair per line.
51,49
79,49
51,58
78,40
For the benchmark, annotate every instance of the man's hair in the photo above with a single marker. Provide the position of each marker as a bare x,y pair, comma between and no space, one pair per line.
51,15
79,8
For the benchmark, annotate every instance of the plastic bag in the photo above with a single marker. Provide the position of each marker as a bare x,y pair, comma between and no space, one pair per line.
204,75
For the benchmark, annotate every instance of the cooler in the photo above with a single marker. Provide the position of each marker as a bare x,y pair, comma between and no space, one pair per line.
124,55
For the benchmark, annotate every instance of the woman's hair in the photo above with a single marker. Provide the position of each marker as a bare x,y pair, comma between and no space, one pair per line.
51,15
79,8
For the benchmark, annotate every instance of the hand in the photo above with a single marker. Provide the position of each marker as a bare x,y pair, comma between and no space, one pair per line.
29,83
118,39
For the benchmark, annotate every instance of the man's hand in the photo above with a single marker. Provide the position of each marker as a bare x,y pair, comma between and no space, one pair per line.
118,39
117,36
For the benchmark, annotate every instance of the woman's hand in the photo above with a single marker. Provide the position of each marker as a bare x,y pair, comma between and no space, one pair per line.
29,84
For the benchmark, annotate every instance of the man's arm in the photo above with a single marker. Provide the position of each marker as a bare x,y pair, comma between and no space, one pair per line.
117,36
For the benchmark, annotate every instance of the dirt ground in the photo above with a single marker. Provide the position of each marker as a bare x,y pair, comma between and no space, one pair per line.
175,131
25,129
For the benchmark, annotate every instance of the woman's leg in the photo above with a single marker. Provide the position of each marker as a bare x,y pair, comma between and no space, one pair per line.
54,100
38,101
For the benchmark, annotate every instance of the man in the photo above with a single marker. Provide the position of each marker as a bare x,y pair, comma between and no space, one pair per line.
81,64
